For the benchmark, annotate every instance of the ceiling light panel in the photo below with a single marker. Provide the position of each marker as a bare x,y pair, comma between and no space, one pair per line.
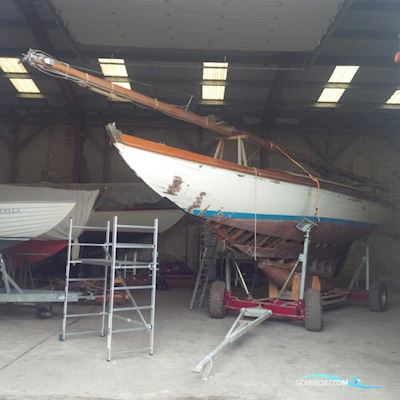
12,65
24,85
343,73
394,98
113,67
330,95
210,92
125,85
215,71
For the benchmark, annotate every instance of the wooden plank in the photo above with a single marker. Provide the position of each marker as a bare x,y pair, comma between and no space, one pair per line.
295,287
272,290
315,282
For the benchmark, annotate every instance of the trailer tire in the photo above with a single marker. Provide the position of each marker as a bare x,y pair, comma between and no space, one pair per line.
378,297
313,310
44,312
216,308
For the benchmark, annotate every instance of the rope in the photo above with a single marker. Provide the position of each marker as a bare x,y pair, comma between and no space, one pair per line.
311,176
155,104
255,214
188,103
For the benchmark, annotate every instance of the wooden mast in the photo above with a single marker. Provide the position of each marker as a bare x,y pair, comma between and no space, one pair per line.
46,63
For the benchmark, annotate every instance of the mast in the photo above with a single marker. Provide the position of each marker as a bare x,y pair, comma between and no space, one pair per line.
47,64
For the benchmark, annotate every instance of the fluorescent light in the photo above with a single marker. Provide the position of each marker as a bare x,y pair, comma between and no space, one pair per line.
113,67
330,95
8,64
343,73
216,71
210,92
125,85
24,85
395,98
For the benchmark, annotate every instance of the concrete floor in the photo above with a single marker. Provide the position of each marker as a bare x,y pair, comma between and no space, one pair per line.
264,364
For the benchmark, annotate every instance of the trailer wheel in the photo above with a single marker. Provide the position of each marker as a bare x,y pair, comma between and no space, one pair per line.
44,312
313,310
216,308
378,297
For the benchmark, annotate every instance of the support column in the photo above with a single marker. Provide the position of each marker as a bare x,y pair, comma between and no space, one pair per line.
14,151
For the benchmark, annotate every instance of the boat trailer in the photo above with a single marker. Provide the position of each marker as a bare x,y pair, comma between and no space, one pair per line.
12,293
239,327
305,306
308,307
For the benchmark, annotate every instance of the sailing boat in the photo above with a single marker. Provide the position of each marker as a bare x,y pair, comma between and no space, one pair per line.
254,210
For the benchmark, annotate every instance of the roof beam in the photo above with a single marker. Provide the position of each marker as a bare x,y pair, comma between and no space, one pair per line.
166,83
193,59
376,6
364,34
331,29
6,23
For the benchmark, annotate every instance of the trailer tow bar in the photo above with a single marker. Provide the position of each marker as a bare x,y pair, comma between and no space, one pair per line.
237,330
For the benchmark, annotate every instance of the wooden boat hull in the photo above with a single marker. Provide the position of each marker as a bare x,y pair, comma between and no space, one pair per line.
255,211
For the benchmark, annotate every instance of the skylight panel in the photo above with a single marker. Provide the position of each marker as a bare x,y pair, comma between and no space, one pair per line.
125,85
12,65
213,92
215,71
343,73
24,85
113,67
330,95
394,98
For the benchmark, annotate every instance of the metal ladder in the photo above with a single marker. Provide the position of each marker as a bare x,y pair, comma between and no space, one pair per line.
208,251
112,270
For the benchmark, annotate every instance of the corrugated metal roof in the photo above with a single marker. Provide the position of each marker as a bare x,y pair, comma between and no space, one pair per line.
252,25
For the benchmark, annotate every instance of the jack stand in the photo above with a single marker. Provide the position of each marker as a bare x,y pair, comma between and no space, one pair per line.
238,329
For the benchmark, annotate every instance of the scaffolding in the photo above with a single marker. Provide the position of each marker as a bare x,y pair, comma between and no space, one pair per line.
113,281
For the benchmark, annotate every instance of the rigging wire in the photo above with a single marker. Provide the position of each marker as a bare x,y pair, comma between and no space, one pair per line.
255,214
66,76
310,175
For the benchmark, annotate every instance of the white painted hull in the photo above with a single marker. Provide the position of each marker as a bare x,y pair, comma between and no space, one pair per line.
211,191
26,220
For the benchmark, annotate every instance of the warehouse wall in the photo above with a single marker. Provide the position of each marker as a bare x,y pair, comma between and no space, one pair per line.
46,153
374,156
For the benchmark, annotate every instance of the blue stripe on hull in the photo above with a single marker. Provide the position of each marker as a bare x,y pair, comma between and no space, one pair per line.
274,217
